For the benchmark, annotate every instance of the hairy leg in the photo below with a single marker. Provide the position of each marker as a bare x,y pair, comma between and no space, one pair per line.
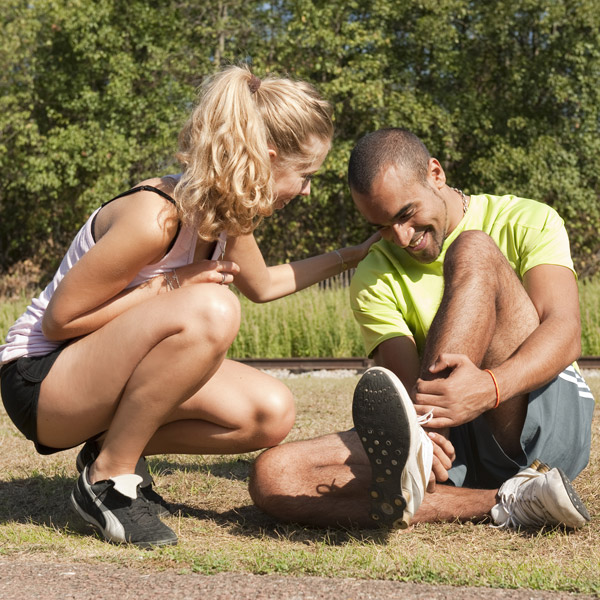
325,482
485,314
127,377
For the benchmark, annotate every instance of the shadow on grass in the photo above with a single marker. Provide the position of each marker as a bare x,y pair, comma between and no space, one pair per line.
234,468
44,501
38,499
249,521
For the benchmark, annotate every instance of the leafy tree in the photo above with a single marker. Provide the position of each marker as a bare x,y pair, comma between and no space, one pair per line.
93,92
534,82
93,95
505,93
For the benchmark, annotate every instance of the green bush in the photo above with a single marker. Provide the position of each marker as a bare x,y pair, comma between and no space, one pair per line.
505,94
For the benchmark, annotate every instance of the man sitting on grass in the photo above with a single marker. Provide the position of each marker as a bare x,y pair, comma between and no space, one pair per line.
471,303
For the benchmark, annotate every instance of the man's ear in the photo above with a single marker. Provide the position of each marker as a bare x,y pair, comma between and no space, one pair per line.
436,174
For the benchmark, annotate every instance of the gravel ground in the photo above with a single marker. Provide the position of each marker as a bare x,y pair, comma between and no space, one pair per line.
23,580
322,374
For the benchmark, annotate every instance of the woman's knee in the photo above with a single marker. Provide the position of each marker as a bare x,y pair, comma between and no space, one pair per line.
209,312
274,414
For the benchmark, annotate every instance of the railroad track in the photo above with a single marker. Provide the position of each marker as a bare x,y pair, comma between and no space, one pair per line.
301,365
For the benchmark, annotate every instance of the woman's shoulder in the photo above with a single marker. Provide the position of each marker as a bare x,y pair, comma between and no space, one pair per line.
158,185
151,195
146,209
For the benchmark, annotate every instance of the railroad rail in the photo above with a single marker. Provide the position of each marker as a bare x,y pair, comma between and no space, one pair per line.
302,365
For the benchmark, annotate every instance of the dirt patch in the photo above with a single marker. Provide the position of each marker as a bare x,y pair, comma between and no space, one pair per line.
23,580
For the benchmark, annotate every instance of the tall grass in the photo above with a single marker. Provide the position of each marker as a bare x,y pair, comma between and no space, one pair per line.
319,323
10,310
310,323
589,301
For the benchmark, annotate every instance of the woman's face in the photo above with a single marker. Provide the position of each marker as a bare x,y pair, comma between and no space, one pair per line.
290,181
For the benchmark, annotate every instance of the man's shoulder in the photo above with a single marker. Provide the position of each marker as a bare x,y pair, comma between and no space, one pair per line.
512,210
380,254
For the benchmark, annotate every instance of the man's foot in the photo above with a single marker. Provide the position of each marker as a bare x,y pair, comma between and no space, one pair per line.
115,508
539,496
160,507
398,449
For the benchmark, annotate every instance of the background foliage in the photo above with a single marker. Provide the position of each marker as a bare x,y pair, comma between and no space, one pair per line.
93,92
319,323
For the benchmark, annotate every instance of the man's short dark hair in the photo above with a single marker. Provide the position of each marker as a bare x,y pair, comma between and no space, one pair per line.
382,148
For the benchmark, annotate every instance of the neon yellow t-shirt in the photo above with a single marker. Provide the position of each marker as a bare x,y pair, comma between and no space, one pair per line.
394,295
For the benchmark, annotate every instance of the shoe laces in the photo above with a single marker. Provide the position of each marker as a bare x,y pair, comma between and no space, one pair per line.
142,510
524,504
424,419
425,457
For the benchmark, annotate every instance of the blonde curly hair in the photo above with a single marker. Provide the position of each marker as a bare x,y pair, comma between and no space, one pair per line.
227,181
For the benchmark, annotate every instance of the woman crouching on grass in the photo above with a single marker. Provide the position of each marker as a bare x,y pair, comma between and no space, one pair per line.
124,351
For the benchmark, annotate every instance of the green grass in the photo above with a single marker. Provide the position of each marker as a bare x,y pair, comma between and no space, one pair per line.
312,322
221,531
589,301
9,313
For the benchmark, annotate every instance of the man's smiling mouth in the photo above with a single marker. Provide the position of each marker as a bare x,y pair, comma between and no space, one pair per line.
417,241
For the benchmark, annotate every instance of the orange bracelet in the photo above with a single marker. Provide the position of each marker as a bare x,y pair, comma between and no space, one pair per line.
496,386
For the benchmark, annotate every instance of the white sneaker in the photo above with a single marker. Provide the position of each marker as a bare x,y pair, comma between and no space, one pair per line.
539,496
398,449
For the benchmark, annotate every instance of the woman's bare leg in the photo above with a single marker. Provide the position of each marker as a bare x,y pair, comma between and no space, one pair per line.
238,410
128,377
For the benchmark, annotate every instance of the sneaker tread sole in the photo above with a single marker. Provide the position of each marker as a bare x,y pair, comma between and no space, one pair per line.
574,497
383,428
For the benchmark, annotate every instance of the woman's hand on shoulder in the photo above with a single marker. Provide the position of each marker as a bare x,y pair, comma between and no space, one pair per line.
354,254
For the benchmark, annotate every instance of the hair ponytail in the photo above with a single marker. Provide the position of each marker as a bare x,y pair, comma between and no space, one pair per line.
226,184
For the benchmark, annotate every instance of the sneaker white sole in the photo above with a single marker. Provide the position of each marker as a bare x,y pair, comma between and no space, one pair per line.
575,513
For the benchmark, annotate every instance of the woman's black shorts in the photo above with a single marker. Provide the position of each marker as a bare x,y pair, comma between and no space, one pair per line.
20,382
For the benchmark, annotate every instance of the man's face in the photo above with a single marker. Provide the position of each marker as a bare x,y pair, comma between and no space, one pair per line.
411,214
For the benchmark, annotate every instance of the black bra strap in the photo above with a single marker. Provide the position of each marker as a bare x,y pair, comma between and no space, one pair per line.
145,188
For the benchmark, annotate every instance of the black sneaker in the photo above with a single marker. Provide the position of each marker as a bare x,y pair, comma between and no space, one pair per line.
121,515
160,507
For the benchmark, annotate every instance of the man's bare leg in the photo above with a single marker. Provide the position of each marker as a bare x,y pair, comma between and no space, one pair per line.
485,314
325,482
